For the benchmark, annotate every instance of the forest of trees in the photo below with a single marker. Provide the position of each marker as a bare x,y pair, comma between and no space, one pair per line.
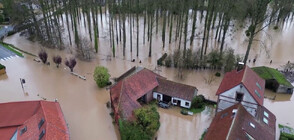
46,20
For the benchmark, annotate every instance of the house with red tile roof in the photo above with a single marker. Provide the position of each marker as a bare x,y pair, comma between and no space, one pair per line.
236,123
143,85
241,86
34,120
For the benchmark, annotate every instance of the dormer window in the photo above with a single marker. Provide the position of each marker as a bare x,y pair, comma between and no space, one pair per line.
42,134
239,96
23,130
258,85
41,123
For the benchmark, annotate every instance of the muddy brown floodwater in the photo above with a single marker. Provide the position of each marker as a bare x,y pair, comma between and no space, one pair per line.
84,104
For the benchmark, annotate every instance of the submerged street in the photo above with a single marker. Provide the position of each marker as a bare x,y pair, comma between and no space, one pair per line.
84,104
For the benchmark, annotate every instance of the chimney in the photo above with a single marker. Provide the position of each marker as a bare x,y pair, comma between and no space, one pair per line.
240,66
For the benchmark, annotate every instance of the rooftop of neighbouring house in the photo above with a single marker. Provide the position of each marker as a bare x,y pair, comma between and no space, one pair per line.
251,81
32,120
236,123
268,73
125,93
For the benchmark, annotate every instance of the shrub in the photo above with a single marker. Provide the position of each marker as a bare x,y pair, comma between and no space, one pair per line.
43,56
176,57
198,102
161,59
217,74
2,67
132,131
276,27
148,119
101,76
168,61
57,60
214,59
188,60
229,60
184,112
71,63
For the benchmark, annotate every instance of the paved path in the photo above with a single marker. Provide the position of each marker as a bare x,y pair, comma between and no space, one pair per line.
5,54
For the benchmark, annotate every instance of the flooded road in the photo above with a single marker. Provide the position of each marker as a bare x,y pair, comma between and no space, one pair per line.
175,126
84,104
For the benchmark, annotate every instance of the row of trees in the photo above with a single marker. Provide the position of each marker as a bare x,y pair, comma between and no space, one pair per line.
70,63
192,60
179,20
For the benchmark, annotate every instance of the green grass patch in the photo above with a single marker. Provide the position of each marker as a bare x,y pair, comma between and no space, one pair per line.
268,73
184,111
287,132
203,135
12,48
197,110
2,67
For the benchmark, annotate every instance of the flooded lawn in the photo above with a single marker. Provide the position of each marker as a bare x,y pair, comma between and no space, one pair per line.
175,126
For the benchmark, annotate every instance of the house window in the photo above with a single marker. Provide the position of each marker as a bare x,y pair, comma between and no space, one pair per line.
257,93
23,130
187,104
239,97
257,84
14,137
42,134
174,101
249,137
252,125
265,114
41,123
265,120
158,97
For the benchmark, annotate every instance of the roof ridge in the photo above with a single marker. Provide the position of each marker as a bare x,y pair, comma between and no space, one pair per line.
244,73
234,119
45,118
120,93
20,102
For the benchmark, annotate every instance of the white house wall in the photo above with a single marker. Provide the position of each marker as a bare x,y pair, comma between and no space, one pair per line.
155,95
183,102
228,98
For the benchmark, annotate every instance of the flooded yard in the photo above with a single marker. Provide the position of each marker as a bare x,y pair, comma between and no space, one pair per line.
84,104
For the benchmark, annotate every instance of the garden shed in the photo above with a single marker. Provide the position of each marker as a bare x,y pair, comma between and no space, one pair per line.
274,79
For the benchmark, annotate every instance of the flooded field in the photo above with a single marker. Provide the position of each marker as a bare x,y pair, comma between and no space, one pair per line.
84,104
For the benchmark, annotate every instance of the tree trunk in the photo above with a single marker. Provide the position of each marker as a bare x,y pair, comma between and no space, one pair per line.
151,26
170,29
163,28
249,45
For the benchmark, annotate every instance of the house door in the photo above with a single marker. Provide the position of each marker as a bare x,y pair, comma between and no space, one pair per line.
166,98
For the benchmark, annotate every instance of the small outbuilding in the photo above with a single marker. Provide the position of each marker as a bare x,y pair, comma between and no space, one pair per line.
274,80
